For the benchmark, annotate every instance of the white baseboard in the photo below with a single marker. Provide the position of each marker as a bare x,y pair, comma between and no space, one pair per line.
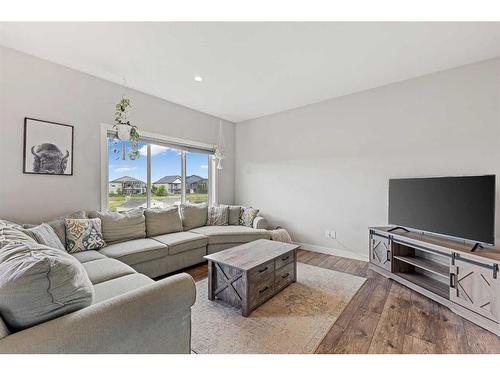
331,251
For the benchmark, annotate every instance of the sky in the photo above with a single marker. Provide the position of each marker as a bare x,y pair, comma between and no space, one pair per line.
164,162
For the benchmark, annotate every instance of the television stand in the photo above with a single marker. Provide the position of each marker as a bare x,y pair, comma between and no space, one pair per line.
476,246
449,272
398,227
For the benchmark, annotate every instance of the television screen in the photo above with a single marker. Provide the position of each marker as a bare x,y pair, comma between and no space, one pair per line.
462,207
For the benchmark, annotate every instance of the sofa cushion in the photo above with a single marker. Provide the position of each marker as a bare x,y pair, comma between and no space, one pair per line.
231,234
193,215
59,226
162,221
38,283
83,235
135,251
112,288
88,256
119,227
234,215
182,241
101,270
44,234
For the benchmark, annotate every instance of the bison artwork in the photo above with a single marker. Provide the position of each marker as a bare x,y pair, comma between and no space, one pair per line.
49,159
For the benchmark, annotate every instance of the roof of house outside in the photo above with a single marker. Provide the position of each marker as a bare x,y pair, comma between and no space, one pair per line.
194,178
167,180
127,179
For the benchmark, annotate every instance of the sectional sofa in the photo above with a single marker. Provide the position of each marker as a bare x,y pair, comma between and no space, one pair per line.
130,312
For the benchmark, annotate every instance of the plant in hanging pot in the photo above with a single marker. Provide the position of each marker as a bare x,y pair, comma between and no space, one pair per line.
125,131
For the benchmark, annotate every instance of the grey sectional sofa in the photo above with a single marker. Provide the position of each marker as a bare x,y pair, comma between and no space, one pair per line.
130,312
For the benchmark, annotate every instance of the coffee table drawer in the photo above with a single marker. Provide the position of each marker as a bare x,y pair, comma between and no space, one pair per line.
284,276
261,291
284,260
261,272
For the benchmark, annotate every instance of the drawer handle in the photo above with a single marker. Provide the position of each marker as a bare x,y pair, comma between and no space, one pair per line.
285,276
262,270
263,290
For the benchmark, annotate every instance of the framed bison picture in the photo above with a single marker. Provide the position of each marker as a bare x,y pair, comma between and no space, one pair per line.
48,147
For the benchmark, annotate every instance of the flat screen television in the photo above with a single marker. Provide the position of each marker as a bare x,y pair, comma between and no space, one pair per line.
460,207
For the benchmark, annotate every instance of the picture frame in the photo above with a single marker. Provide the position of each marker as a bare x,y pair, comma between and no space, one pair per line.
48,147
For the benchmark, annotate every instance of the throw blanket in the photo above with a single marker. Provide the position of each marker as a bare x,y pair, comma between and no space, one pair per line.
280,234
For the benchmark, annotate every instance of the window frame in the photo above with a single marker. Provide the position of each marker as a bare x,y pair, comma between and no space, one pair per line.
183,145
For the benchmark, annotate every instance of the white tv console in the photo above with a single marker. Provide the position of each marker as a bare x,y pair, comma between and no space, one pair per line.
466,282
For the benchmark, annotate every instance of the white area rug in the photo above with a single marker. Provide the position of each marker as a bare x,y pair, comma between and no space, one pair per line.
294,321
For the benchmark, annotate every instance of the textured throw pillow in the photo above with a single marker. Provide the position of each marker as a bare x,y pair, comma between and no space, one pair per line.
83,234
44,234
38,283
59,225
248,214
218,215
10,233
234,215
162,221
193,215
118,227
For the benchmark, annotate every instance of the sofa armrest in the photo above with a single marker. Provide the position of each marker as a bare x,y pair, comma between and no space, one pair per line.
153,319
260,223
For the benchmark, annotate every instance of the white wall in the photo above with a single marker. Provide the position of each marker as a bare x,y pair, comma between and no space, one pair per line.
327,165
31,87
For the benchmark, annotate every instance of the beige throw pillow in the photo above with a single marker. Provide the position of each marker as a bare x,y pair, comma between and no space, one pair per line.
44,234
218,215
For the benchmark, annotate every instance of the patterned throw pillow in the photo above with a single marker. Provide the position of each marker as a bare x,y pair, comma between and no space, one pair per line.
248,214
218,215
83,234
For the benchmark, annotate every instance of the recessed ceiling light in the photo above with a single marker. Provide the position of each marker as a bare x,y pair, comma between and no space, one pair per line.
198,78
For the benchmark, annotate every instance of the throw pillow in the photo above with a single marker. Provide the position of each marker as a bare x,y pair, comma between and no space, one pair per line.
193,215
83,234
12,233
59,225
119,227
38,283
218,215
234,215
44,234
248,214
161,221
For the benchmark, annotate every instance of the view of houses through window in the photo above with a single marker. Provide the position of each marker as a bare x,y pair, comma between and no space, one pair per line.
128,179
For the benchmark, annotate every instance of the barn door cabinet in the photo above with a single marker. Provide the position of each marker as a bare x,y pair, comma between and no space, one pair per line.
380,251
447,271
475,285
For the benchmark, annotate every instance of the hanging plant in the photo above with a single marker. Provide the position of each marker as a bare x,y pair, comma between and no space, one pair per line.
125,131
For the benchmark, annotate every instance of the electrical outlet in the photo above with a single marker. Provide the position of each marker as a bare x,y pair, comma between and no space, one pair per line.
327,233
333,234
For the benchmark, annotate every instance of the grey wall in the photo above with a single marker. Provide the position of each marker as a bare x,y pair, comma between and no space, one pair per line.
327,165
31,87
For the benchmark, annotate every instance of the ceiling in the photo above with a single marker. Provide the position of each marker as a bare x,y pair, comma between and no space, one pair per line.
253,69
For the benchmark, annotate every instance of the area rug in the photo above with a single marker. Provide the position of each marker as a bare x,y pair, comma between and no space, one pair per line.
294,321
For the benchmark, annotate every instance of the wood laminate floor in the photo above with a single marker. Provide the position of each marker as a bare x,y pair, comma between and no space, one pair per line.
386,317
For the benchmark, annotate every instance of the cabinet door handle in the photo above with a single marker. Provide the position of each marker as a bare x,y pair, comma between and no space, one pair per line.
262,270
263,290
452,280
285,276
285,258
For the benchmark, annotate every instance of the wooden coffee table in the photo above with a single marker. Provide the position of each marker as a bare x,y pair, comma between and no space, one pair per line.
248,275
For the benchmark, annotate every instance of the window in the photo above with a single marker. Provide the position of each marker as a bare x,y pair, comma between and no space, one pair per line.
196,177
127,178
162,176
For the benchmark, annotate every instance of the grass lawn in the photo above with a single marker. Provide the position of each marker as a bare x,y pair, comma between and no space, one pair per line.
115,201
